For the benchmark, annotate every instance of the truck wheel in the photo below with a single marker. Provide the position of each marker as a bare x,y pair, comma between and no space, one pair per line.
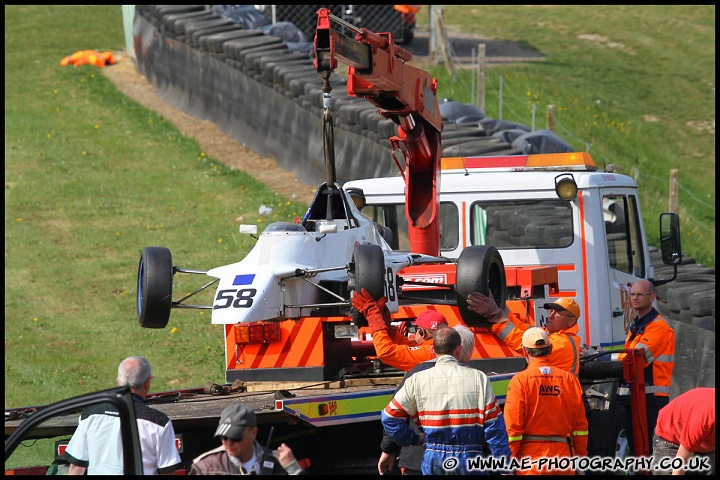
369,274
480,268
154,293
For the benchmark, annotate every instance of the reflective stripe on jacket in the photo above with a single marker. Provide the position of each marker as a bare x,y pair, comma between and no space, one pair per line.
543,410
457,410
566,343
656,338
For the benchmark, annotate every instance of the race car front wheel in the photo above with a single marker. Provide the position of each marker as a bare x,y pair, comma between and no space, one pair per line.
154,293
480,268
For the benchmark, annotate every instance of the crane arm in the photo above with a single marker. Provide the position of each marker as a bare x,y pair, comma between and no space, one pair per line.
378,71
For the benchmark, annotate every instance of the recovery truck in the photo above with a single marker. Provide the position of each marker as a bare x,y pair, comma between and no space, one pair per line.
530,228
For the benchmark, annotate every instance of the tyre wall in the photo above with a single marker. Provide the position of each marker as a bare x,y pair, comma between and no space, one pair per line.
265,93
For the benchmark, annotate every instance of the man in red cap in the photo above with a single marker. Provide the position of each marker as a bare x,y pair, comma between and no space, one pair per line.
391,346
561,326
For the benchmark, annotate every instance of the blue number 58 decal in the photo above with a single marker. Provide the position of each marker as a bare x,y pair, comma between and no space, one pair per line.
238,298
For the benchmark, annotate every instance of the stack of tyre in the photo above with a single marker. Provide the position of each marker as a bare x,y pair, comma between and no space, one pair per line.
281,57
690,298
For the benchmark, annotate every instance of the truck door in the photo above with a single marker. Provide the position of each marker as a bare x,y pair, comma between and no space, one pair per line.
38,441
625,255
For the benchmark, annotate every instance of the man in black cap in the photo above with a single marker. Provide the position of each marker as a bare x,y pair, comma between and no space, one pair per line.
240,453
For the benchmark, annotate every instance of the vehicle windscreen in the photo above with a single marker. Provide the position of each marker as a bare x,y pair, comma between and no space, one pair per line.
505,224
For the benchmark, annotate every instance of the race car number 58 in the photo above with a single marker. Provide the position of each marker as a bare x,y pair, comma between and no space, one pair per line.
237,298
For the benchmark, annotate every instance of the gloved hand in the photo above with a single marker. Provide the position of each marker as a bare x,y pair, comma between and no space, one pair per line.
486,306
364,303
382,305
403,329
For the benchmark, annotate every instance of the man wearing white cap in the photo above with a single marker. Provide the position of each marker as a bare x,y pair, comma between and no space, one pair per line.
240,453
391,346
561,326
544,410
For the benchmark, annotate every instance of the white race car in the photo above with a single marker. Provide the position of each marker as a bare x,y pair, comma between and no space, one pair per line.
312,268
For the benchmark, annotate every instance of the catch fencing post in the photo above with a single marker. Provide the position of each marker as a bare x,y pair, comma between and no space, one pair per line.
674,186
550,118
481,77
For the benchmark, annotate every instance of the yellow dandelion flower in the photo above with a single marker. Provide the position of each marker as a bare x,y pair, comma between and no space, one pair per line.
219,240
174,329
35,319
97,126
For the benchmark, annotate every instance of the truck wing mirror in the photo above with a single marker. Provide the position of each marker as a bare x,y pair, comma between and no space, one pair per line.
670,239
669,244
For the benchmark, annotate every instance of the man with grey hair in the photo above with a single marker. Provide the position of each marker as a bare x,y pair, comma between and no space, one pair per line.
96,446
455,406
409,458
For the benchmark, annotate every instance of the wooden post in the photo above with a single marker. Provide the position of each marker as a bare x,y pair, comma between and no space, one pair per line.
433,48
481,77
443,43
550,118
674,186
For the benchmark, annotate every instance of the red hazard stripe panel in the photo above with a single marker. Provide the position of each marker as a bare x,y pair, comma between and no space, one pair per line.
230,358
300,345
314,353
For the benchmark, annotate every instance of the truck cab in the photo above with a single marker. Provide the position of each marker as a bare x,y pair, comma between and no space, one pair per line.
556,210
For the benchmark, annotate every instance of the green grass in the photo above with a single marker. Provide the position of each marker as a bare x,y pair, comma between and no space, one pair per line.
91,177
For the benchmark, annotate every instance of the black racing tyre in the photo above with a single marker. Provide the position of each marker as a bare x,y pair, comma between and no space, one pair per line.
369,274
154,293
480,268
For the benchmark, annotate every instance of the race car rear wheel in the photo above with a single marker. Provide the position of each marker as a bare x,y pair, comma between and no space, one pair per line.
369,274
480,268
154,293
